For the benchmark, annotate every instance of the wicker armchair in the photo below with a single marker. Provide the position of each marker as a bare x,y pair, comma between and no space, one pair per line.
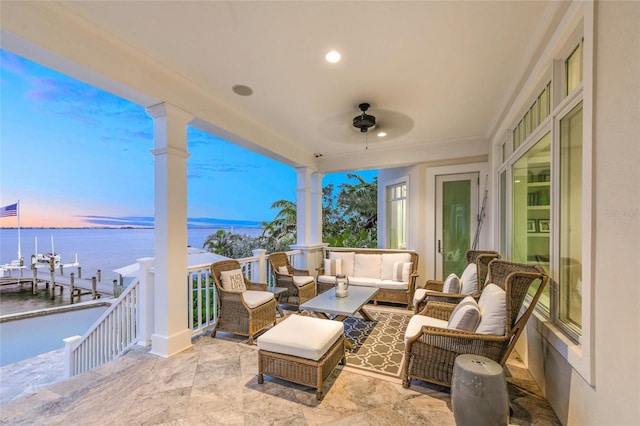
234,314
300,284
431,353
480,257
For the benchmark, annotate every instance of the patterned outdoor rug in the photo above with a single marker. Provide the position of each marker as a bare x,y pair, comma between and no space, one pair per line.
378,346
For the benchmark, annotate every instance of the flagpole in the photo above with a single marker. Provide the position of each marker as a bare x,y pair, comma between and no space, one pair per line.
19,251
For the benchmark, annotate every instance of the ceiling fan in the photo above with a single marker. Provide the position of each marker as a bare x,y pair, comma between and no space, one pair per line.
364,121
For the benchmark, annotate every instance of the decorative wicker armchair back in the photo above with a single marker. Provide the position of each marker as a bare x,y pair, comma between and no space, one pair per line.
516,279
298,291
481,258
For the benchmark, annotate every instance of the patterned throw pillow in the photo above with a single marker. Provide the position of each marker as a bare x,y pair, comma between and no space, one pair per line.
233,281
451,284
332,266
465,316
401,271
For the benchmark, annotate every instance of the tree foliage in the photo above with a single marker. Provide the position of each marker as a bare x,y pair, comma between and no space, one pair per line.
350,219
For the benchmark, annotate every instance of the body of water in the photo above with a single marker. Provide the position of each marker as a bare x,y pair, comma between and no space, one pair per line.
104,249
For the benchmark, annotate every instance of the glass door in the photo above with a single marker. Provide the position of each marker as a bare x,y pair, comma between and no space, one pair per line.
456,221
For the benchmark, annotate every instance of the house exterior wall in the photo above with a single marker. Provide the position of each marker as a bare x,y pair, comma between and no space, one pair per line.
611,395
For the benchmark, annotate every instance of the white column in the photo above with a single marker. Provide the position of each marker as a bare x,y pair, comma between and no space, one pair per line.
171,333
303,206
146,301
316,208
309,219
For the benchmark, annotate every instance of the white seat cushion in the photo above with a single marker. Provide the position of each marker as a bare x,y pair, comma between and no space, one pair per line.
417,321
493,310
254,298
304,337
469,279
301,280
327,279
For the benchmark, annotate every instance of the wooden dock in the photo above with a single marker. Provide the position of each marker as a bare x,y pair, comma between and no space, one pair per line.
59,281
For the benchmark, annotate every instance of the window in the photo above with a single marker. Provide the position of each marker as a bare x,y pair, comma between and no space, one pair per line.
531,198
397,216
573,70
503,214
570,229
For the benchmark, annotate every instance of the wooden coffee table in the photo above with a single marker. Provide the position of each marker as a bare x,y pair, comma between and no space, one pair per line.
342,307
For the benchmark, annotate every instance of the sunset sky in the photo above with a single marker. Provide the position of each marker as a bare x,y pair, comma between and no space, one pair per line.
77,156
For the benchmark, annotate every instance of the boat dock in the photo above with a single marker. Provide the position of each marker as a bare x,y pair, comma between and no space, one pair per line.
66,278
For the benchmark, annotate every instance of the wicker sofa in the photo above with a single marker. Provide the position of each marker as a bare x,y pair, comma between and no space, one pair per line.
394,272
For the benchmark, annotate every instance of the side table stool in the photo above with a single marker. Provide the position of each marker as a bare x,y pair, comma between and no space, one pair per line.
479,393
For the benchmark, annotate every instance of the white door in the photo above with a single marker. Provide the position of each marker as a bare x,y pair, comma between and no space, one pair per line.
456,221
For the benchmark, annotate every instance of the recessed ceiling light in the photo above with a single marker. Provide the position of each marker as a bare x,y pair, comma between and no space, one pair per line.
242,90
382,134
333,56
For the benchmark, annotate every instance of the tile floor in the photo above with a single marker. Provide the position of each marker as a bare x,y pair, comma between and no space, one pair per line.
215,383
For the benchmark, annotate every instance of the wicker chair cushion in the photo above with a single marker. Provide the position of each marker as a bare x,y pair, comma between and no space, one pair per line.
469,279
332,266
451,284
493,310
419,294
300,336
367,265
301,280
465,316
233,280
348,259
418,321
388,267
254,298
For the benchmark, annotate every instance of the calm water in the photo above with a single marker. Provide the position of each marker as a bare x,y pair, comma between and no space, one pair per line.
104,249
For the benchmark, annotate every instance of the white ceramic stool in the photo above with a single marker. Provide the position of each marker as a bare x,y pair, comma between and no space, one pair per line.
479,393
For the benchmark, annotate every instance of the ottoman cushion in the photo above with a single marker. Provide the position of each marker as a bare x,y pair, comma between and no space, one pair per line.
300,336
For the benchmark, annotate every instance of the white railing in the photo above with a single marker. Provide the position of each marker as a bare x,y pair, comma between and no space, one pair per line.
129,320
112,334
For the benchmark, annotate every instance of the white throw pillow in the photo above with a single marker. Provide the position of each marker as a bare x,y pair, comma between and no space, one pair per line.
493,310
332,266
401,271
388,260
347,258
367,266
465,316
233,280
451,284
469,279
283,270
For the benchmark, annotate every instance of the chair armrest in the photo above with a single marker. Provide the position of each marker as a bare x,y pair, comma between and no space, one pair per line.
439,310
435,285
302,272
257,286
319,271
453,340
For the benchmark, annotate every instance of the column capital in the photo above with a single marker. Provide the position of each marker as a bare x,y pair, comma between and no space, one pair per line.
170,151
164,109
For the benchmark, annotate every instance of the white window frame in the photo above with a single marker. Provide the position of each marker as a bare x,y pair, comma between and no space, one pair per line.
576,27
393,182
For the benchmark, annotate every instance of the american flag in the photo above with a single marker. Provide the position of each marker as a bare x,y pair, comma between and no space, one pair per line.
10,210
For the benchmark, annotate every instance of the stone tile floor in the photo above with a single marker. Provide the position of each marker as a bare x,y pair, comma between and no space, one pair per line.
215,382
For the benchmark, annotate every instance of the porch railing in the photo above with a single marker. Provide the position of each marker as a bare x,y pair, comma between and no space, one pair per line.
129,320
115,332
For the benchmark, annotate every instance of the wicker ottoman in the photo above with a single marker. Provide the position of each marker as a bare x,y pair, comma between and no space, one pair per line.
302,350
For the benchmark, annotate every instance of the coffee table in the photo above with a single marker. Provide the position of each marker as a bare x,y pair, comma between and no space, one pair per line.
342,307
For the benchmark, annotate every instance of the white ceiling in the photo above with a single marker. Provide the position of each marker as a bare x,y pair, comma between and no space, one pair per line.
434,72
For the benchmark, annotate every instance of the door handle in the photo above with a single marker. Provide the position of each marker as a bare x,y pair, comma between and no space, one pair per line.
440,248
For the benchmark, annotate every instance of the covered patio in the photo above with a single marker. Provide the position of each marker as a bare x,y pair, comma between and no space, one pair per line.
466,87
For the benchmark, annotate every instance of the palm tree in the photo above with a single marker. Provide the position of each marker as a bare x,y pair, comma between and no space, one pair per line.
285,222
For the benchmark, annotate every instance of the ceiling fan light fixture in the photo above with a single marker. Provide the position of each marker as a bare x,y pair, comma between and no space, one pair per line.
364,121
